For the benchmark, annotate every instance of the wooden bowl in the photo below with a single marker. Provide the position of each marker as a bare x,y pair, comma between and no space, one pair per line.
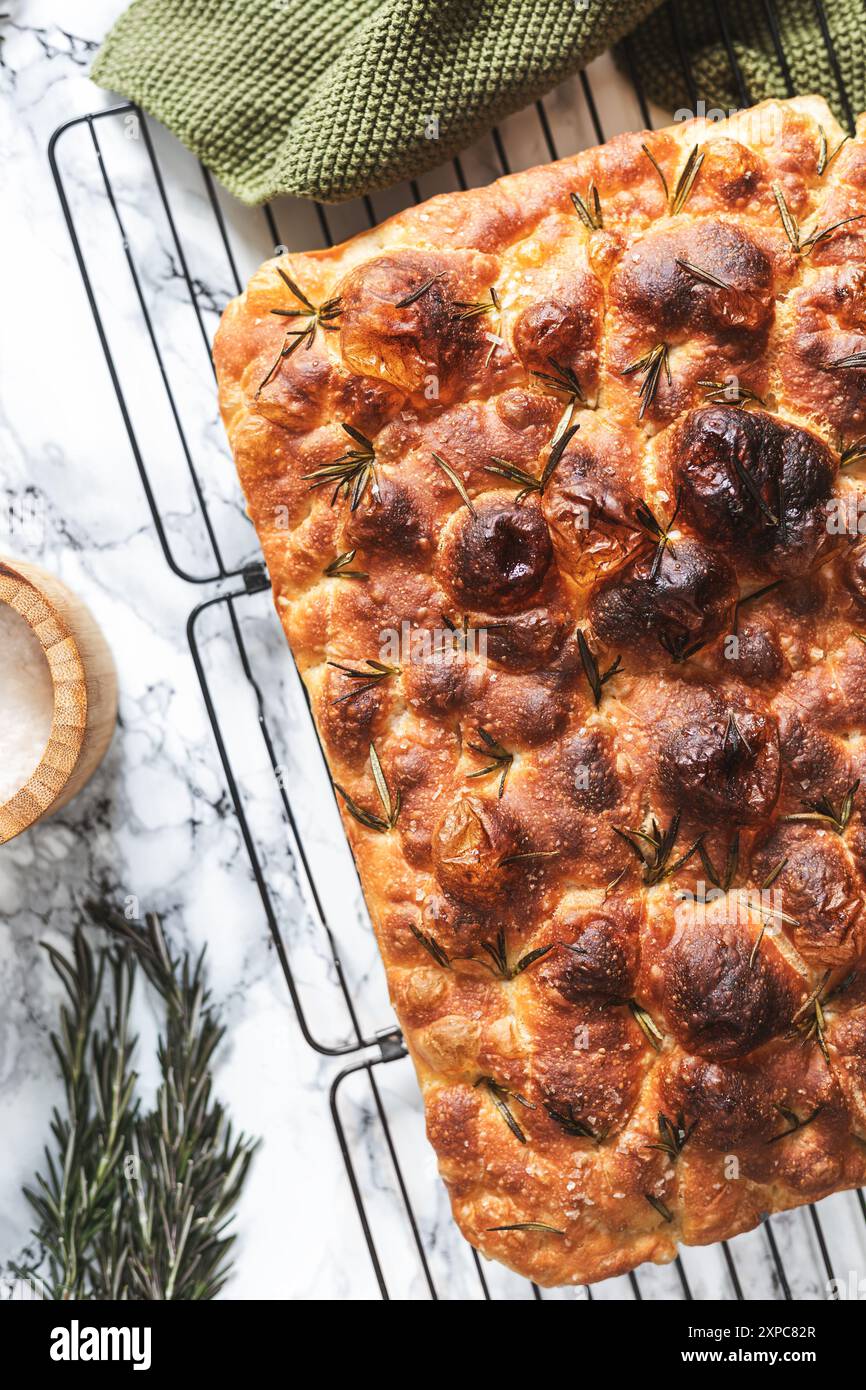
85,693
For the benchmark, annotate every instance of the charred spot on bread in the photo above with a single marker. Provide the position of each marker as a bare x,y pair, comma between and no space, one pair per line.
721,1000
496,557
720,759
708,277
755,484
671,603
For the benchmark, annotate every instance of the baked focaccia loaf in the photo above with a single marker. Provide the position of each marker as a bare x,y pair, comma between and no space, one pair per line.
558,484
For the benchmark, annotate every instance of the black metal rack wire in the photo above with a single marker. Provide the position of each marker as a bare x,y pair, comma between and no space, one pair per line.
234,586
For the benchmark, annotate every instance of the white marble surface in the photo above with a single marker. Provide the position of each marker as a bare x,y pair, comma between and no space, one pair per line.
157,823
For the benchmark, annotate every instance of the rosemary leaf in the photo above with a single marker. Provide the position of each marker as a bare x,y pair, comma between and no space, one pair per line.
589,211
704,275
351,473
338,567
415,295
673,1134
594,677
723,393
500,1096
156,1230
836,814
825,160
431,945
854,359
789,221
651,365
391,808
377,671
794,1122
501,758
454,480
564,1115
527,482
686,180
528,1226
852,453
659,1206
646,1025
654,162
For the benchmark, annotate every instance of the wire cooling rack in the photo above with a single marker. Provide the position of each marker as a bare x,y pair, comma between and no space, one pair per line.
156,282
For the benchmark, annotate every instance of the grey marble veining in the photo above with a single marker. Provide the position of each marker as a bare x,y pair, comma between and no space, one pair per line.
156,824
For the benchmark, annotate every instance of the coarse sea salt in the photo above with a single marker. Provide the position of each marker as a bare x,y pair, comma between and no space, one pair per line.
26,702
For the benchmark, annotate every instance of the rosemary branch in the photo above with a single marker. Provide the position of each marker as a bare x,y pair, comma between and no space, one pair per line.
134,1204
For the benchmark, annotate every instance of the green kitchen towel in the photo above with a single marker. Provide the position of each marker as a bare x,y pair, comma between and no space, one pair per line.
330,99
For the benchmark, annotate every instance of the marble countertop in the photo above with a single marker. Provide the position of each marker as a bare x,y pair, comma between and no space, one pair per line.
156,829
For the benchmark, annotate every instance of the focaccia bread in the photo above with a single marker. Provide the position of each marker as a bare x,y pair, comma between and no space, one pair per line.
558,483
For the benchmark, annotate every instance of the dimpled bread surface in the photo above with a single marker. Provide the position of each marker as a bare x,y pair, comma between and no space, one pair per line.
610,1065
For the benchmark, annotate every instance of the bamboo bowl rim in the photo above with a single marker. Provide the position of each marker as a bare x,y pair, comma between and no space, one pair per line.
69,686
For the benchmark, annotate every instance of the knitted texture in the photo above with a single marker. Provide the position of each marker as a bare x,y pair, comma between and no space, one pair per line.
330,99
694,29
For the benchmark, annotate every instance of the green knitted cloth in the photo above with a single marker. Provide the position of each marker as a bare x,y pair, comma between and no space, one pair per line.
329,99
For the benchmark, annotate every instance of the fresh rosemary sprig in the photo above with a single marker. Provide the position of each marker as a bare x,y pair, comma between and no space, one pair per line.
338,568
794,1122
431,945
649,522
474,308
589,210
809,1020
723,393
500,1095
351,473
501,758
564,380
416,294
804,246
377,671
825,159
673,1134
652,364
653,848
390,806
455,480
706,276
527,482
677,646
317,316
721,878
564,1115
135,1204
595,678
836,814
498,954
647,1026
684,184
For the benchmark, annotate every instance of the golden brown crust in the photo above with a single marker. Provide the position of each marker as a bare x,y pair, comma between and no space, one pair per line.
601,1053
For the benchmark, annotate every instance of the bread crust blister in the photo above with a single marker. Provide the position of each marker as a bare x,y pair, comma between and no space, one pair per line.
558,486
